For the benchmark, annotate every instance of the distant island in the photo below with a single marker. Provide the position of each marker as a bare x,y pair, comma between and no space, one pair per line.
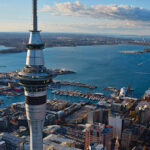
146,50
18,41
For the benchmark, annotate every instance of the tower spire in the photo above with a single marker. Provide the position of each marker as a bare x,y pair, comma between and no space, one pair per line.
35,18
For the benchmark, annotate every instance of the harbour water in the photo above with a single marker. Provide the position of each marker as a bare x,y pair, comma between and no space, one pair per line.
95,65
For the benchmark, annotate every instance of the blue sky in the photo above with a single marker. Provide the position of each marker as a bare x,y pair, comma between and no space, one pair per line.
82,16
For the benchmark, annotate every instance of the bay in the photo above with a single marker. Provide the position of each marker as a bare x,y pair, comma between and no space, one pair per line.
99,65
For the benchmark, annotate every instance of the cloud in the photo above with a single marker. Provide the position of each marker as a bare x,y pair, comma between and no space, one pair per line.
119,12
116,27
107,18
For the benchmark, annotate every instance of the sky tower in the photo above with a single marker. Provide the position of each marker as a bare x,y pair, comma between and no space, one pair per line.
35,79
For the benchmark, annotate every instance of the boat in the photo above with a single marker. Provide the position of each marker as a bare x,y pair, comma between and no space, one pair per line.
100,94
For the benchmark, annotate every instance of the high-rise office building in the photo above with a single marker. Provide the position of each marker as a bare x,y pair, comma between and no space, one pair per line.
126,138
35,79
100,134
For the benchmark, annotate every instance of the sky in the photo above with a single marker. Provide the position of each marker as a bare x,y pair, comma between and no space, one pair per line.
78,16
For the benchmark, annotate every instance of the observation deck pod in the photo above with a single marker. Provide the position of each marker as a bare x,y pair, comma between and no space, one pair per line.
33,77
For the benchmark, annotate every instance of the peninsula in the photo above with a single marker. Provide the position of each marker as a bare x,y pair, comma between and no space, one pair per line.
18,40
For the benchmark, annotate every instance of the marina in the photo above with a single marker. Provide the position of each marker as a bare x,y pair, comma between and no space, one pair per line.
89,95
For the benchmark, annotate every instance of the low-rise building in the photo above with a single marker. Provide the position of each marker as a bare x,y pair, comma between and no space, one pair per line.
2,145
3,123
12,142
58,142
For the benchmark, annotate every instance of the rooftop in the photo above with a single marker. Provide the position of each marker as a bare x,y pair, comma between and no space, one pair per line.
13,139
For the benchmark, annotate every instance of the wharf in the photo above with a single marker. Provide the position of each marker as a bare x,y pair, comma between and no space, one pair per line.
146,50
60,83
56,72
111,89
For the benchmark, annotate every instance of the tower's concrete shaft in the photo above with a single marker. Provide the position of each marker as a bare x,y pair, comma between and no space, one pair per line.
35,116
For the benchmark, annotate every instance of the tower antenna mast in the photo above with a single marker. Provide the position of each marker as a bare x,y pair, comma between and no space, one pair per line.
35,18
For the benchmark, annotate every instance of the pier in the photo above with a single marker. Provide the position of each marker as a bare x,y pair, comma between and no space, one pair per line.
67,83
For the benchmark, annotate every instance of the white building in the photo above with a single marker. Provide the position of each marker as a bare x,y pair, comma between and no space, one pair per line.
123,92
116,122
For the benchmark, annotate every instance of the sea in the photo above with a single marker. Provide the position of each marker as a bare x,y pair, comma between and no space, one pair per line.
101,65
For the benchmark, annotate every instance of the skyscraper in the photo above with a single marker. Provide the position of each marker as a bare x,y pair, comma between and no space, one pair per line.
100,134
35,79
